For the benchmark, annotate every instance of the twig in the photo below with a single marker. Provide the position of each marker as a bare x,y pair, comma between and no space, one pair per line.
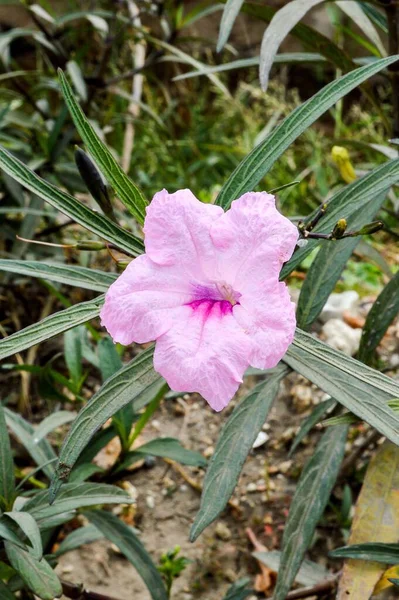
77,592
137,89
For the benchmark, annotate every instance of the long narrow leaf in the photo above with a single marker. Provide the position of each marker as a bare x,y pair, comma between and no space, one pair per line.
135,380
89,279
38,575
230,12
280,26
251,170
233,446
381,315
28,525
126,190
67,204
308,504
50,326
384,553
128,543
362,390
7,480
78,537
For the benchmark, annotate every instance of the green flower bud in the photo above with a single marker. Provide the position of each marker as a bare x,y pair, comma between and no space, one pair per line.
339,229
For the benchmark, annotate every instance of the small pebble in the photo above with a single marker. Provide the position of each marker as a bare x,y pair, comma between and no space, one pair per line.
251,487
223,532
261,439
150,501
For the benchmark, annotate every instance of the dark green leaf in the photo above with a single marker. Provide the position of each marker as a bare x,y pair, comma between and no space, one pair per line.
381,315
233,446
239,590
50,326
131,383
383,553
73,496
84,471
38,575
89,279
41,452
255,166
7,532
76,539
5,593
82,214
73,354
127,191
307,424
165,448
308,504
362,390
7,480
28,525
128,543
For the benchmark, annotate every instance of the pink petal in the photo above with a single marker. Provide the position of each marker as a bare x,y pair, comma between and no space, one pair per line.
253,241
205,351
268,318
144,302
177,232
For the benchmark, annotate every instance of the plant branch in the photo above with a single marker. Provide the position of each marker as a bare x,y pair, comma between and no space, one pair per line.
77,592
317,590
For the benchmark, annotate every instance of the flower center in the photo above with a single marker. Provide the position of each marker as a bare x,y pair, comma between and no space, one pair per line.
227,293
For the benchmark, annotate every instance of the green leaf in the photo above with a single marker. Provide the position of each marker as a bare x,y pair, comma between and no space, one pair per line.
110,362
307,424
308,504
239,590
61,417
165,448
7,480
362,390
255,166
24,431
381,315
84,471
128,543
89,279
126,190
230,13
67,204
73,496
76,539
7,532
328,265
38,575
50,326
135,381
73,354
77,78
348,203
28,525
5,593
232,448
281,24
383,553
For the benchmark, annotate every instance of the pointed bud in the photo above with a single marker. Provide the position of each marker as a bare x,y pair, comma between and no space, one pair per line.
371,228
93,180
90,245
339,229
122,264
341,158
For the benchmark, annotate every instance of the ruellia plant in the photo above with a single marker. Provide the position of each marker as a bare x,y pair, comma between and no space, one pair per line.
132,392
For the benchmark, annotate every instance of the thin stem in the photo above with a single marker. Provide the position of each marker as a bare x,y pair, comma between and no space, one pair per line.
77,592
317,590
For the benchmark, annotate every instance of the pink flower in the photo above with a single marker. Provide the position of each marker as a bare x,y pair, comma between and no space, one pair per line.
208,291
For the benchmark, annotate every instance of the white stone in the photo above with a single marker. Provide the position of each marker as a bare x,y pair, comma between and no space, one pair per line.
342,337
261,439
337,304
